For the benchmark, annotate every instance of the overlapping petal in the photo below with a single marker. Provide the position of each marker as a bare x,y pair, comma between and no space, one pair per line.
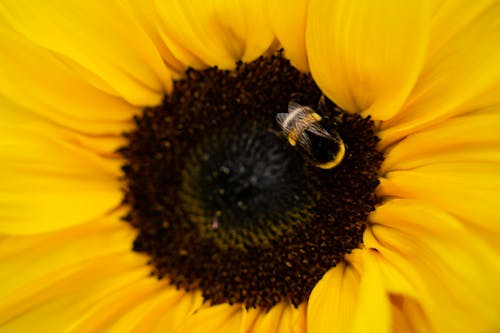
172,307
407,315
29,258
100,38
219,318
282,318
89,266
44,85
470,191
48,181
433,253
288,21
126,309
367,55
472,137
335,295
462,68
350,298
214,33
147,16
56,302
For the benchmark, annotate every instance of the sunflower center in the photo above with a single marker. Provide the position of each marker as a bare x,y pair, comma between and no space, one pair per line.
234,180
248,184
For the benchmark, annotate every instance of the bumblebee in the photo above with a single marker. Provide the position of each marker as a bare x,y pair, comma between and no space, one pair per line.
302,128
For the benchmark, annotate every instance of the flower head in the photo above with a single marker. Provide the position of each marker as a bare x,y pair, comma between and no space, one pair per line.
418,253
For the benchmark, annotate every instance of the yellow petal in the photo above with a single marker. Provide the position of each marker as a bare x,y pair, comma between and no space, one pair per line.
390,263
288,22
333,301
373,307
366,55
469,138
119,311
56,302
433,250
13,113
414,215
116,50
407,315
395,280
104,144
27,258
41,84
250,317
218,318
147,16
438,267
294,319
47,182
215,33
272,321
462,71
469,191
170,311
282,318
434,227
124,310
401,276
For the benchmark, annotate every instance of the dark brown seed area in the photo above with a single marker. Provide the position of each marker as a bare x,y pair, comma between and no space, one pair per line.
222,202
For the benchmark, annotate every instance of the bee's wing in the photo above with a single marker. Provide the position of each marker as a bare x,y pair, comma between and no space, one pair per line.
319,131
281,119
296,113
304,142
293,106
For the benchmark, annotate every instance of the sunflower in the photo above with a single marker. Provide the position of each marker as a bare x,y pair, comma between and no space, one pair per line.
117,214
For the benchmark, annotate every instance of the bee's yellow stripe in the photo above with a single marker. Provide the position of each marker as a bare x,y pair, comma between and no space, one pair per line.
338,158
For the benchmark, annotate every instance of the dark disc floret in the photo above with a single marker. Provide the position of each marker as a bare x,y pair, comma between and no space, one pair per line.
234,180
223,203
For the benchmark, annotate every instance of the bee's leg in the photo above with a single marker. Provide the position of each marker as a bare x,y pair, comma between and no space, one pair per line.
322,104
328,108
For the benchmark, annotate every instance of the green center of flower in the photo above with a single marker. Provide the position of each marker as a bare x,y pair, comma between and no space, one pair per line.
248,185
